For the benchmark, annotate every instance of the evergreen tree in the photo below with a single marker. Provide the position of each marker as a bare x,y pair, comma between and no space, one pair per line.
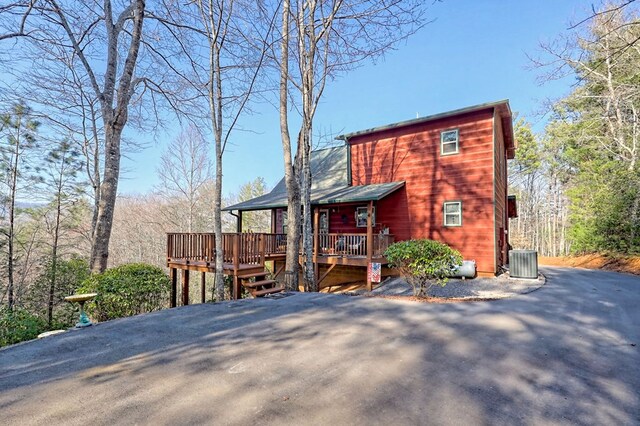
19,138
62,165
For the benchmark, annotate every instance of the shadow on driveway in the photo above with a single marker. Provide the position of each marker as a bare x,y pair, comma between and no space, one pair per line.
562,354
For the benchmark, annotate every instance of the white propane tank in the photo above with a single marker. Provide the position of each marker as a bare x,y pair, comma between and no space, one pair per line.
466,270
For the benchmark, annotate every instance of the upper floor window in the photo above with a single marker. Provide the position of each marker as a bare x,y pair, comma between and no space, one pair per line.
453,213
449,142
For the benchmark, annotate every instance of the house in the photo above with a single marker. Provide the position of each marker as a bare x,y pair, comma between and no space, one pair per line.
442,177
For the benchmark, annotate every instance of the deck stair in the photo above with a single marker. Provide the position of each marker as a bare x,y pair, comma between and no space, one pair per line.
259,285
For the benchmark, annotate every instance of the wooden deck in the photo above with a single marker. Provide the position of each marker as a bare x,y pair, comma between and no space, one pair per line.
246,253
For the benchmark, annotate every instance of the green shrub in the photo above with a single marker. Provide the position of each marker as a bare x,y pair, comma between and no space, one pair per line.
126,290
69,275
19,325
423,262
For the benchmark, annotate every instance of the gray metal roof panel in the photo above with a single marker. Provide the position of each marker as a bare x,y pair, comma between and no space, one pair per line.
428,118
351,194
328,173
336,195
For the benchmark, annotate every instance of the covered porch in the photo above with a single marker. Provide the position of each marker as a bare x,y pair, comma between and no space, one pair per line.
346,231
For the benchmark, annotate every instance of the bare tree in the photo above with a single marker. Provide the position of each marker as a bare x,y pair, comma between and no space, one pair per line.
139,232
233,66
252,221
185,167
100,68
290,175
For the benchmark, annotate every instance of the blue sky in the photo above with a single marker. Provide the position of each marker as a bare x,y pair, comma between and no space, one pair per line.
474,52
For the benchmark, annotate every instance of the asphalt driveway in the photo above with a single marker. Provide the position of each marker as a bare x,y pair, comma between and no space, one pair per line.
568,353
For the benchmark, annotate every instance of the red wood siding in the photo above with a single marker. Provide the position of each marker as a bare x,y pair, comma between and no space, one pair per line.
342,219
412,154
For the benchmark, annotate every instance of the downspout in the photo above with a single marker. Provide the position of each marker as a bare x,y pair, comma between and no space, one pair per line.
346,141
237,216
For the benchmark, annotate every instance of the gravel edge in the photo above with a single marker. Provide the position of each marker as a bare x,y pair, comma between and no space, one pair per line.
476,289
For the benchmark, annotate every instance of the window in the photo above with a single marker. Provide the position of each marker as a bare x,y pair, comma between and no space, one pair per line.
324,221
285,222
361,217
449,142
453,213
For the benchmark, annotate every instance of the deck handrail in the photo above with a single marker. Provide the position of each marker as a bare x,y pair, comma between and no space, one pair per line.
252,248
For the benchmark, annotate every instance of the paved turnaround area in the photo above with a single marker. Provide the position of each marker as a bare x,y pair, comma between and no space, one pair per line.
563,354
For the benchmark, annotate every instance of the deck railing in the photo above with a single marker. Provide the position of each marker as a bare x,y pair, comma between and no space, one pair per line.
191,246
381,242
251,248
352,244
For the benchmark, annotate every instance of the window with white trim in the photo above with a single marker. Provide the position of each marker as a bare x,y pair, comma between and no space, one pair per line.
453,213
449,142
285,221
361,217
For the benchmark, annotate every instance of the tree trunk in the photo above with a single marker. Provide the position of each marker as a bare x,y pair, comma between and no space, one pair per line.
56,238
307,225
307,48
106,206
291,181
12,214
216,111
54,254
114,103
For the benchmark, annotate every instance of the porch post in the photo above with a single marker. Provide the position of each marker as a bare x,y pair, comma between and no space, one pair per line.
273,221
316,245
239,222
369,242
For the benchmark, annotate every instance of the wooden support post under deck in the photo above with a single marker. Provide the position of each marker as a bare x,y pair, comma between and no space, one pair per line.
236,288
203,281
185,287
316,244
369,241
173,275
236,266
239,222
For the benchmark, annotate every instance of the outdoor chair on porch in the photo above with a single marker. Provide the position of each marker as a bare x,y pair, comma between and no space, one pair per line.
351,245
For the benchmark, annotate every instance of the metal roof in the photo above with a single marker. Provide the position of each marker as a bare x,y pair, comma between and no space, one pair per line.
328,174
497,104
345,194
353,194
329,185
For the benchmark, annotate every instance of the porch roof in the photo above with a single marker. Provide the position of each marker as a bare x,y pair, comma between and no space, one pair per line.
353,194
336,195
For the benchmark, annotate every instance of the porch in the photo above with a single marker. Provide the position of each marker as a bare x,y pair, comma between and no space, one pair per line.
246,255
